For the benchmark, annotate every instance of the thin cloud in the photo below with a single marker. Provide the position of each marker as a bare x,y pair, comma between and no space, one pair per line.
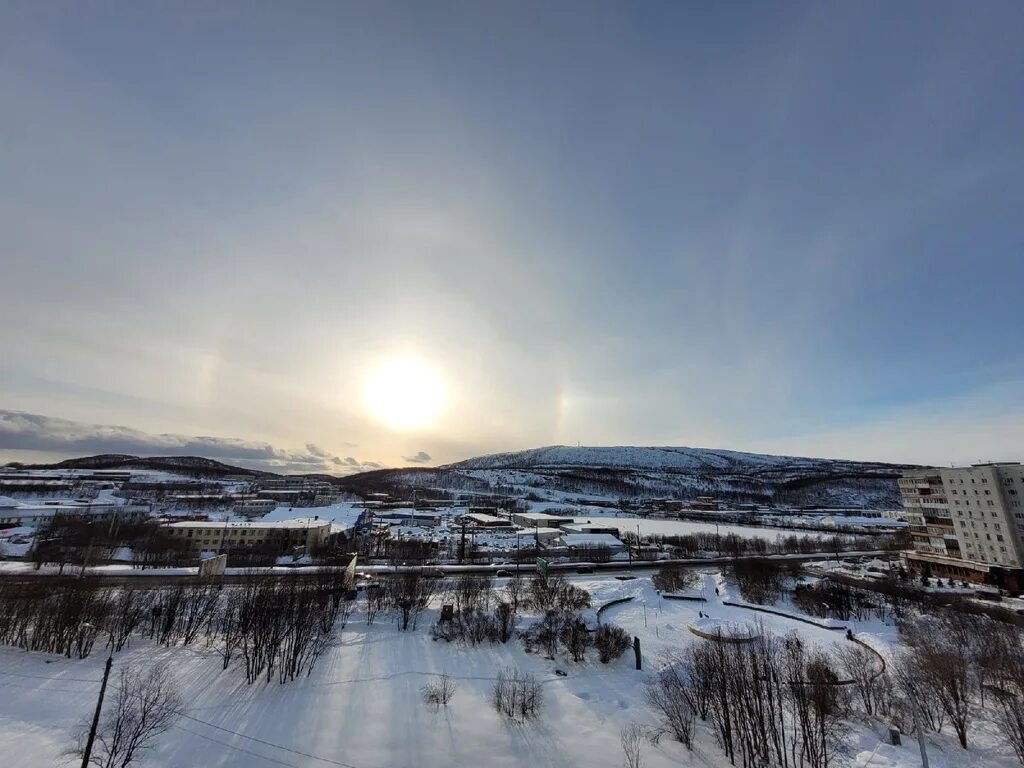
420,457
35,432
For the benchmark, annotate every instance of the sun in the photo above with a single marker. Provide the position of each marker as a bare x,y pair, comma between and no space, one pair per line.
404,393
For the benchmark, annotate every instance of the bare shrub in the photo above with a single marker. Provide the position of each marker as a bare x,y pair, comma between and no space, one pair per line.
545,633
410,593
760,580
505,620
439,694
550,592
517,694
575,637
631,737
674,578
611,642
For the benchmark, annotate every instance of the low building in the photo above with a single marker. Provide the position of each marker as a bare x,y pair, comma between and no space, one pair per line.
589,527
482,520
585,541
540,520
254,507
282,535
42,513
530,536
407,517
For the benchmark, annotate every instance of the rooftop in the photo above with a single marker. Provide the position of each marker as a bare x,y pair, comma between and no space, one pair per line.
590,540
299,522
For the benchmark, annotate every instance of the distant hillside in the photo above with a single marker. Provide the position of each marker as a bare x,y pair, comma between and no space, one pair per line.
191,465
561,472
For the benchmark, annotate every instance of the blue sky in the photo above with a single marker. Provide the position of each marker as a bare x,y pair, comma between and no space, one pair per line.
791,228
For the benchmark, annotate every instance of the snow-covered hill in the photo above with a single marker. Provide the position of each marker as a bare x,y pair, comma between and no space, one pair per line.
631,457
562,472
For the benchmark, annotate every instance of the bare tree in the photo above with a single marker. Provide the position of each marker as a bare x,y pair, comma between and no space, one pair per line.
439,694
674,578
410,593
145,705
575,637
516,694
631,737
505,620
669,695
515,590
941,654
862,667
611,642
760,580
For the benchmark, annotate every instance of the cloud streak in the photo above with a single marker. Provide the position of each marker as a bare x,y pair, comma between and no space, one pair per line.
420,457
35,432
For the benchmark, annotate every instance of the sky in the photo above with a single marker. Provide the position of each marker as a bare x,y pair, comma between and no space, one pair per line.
338,236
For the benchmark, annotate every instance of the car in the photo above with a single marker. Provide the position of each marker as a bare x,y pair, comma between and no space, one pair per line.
585,569
503,573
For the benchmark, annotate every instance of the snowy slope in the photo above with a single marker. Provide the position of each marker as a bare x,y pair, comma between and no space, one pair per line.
562,473
658,458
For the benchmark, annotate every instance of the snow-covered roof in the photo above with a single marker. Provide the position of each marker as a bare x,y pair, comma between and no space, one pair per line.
590,540
542,517
299,522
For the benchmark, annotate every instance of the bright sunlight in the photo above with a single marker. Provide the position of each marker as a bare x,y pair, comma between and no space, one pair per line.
404,393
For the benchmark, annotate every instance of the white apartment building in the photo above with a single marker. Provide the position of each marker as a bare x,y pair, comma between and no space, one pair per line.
966,522
985,506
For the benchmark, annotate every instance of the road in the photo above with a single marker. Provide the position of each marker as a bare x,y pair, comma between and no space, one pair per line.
162,577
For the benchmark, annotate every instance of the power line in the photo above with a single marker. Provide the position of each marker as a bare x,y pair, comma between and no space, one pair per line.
270,743
232,746
37,689
47,677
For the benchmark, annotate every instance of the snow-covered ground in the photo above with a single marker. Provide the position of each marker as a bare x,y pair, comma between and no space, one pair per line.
655,527
361,707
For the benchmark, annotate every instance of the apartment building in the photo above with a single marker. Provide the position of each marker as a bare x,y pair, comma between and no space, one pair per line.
967,522
926,509
283,535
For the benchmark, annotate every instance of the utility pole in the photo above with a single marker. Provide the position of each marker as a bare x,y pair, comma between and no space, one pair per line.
96,715
920,735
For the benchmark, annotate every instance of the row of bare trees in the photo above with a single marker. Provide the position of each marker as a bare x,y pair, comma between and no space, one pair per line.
283,625
774,701
957,667
769,702
732,545
278,625
66,616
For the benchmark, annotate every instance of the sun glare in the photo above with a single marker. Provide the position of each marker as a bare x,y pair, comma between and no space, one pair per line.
404,393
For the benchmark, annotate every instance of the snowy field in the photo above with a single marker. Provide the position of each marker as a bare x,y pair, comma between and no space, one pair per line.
361,707
649,527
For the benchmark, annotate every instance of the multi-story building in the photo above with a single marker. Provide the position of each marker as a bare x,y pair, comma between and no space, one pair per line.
967,522
927,511
985,502
282,535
